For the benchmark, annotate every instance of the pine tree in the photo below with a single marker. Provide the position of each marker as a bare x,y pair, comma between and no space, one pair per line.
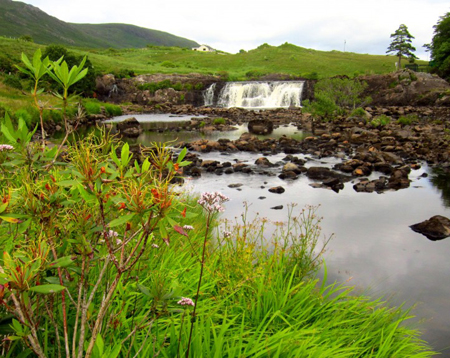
401,44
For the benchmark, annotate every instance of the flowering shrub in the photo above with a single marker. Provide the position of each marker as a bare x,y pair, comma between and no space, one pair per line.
71,232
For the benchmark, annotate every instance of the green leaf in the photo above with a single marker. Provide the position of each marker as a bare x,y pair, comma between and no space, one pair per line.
65,183
121,220
115,352
10,219
181,155
99,344
124,155
144,290
46,289
62,262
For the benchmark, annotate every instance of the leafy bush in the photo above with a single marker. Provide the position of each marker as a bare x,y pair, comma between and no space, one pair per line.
13,81
168,64
92,107
359,112
380,121
343,91
408,119
323,106
25,115
112,109
219,120
255,74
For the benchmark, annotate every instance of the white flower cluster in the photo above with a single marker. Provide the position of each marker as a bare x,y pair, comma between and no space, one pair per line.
212,202
188,227
4,147
186,302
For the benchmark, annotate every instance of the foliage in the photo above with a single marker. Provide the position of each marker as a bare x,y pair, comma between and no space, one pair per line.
408,119
359,112
380,121
440,47
219,120
13,81
401,44
112,110
92,107
26,38
332,96
86,85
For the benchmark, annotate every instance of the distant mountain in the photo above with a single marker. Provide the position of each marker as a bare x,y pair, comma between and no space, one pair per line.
18,19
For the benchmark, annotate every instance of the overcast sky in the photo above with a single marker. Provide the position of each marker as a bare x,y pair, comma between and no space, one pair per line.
358,25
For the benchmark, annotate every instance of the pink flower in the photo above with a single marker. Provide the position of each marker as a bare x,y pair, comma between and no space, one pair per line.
212,202
186,302
4,147
188,227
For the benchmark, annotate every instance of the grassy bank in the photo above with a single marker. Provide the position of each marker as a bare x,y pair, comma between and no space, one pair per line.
103,257
287,59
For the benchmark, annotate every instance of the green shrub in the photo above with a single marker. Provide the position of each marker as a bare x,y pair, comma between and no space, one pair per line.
408,119
202,124
168,64
380,121
199,86
92,108
25,115
359,112
112,110
219,120
255,74
323,107
13,81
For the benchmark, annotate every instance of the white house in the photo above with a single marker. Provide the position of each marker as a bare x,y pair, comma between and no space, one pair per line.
204,48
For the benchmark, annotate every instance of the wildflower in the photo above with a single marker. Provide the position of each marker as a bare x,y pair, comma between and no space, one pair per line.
226,234
183,213
5,147
122,206
155,246
102,170
112,234
212,202
186,302
188,227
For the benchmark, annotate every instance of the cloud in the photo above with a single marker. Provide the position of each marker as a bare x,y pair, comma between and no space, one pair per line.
246,24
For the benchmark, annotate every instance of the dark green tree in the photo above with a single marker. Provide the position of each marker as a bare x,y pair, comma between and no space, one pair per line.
401,44
440,47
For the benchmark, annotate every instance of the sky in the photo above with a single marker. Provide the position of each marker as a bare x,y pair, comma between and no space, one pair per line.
359,26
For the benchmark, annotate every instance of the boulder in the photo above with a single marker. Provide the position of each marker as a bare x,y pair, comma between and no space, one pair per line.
277,190
435,228
130,127
260,126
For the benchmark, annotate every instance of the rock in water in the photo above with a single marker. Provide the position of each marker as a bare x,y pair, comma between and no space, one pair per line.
436,228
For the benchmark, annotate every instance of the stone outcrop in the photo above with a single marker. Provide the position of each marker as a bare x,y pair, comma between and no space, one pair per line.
407,88
436,228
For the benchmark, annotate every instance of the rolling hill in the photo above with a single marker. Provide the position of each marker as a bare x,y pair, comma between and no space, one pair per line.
19,19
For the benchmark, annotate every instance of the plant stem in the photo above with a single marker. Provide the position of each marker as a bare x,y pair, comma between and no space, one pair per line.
202,265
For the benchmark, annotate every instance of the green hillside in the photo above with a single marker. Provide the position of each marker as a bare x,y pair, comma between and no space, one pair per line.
18,19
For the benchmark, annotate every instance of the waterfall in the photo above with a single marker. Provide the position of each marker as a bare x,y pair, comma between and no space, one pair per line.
208,95
257,95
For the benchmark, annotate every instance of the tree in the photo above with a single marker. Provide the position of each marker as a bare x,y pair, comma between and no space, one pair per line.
440,47
401,44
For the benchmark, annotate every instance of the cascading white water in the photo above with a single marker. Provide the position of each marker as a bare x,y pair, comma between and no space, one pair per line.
257,95
208,95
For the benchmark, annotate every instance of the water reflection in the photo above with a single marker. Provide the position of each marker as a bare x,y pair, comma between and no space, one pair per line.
440,178
373,246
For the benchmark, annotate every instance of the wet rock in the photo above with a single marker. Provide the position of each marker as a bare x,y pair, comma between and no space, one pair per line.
288,175
238,185
260,126
130,127
278,207
277,190
262,198
436,228
333,183
263,162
